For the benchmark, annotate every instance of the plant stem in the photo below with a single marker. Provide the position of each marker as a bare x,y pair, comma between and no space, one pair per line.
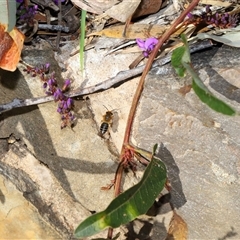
139,89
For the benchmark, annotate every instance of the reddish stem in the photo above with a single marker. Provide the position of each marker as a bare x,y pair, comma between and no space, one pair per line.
139,89
165,37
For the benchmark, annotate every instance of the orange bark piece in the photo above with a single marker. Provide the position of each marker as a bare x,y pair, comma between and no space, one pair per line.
11,45
178,228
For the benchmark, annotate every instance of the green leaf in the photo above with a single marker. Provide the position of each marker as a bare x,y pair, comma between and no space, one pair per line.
206,96
176,61
186,56
181,62
179,56
8,13
82,39
213,102
128,205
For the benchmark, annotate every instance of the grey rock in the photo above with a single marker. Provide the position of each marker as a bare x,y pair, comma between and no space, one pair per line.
199,146
71,162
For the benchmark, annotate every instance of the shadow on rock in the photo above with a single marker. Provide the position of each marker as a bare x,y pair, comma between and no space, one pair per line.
10,80
229,234
177,196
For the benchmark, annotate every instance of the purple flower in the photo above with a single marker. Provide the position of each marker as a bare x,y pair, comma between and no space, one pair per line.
147,46
56,1
207,9
45,85
65,106
19,1
71,116
46,67
66,85
189,15
69,103
58,95
59,110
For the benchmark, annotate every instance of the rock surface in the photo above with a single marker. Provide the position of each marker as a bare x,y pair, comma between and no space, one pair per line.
17,214
61,172
57,164
200,147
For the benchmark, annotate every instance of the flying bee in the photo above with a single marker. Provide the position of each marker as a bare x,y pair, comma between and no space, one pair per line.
109,119
106,122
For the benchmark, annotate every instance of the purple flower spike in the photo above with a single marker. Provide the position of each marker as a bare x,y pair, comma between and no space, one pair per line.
147,46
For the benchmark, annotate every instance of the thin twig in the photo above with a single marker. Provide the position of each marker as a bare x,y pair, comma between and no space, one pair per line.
53,27
120,77
59,23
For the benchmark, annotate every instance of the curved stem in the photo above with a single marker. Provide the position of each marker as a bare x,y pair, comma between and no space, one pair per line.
139,89
125,145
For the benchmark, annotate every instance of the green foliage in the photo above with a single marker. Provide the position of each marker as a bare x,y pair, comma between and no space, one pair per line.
8,13
82,39
181,62
181,55
128,205
212,101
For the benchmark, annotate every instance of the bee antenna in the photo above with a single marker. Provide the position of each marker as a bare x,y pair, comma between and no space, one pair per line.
105,107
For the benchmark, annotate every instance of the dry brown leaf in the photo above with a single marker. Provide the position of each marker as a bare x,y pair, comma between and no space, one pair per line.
147,7
178,228
123,10
120,10
185,89
11,45
133,31
219,3
95,6
137,31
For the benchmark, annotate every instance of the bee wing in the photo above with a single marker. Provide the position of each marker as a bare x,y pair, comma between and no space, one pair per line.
115,122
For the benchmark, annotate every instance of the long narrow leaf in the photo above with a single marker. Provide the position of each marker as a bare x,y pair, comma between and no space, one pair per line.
8,14
213,102
181,62
128,205
206,96
82,39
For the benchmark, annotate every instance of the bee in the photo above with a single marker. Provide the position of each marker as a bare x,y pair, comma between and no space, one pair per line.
106,122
